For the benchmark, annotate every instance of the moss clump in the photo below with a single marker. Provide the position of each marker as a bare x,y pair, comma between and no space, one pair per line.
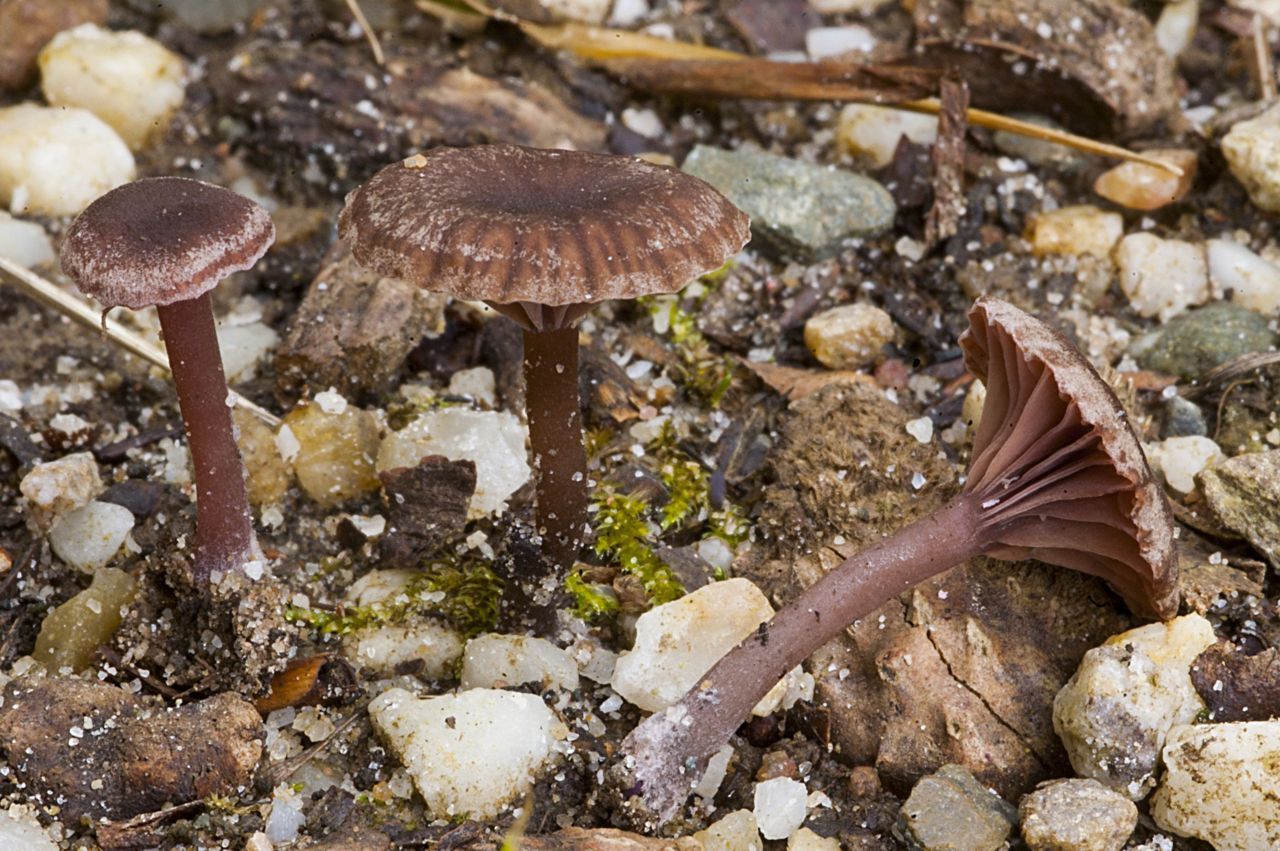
593,600
708,375
471,590
623,535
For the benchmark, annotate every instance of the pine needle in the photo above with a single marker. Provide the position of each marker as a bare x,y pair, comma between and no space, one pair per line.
58,299
369,34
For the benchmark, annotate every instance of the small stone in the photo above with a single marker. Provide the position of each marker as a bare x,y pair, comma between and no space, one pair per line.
1251,281
19,828
56,487
1144,187
921,429
1037,152
1219,785
474,752
628,12
801,207
210,16
1161,277
1252,150
267,476
950,810
678,642
477,383
735,832
1191,345
243,347
827,42
334,461
429,648
90,536
578,11
1083,229
849,336
1176,26
780,807
132,82
841,7
1243,493
494,440
73,631
509,661
1114,713
805,839
872,132
25,243
287,817
1076,815
1180,459
37,142
1269,9
1182,418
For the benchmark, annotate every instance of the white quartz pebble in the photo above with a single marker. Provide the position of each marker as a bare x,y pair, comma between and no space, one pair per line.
1252,282
1180,459
507,661
494,440
1252,150
825,42
474,752
25,243
19,829
678,642
780,806
243,347
873,132
1162,277
130,81
735,832
1114,713
90,536
38,146
1220,785
55,487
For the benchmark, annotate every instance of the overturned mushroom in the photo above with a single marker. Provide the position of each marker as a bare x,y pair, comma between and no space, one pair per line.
1057,475
167,242
541,236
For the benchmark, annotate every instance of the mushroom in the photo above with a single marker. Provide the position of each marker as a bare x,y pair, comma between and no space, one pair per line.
1056,475
168,241
541,236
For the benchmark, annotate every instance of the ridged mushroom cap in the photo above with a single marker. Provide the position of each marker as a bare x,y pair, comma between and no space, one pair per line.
163,239
507,224
1060,471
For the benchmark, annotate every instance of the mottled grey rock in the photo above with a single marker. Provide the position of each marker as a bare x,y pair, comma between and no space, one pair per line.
1182,418
802,208
1115,712
1076,815
951,811
1192,344
1244,492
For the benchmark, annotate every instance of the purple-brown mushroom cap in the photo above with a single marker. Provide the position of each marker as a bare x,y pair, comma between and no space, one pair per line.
1060,471
560,229
163,239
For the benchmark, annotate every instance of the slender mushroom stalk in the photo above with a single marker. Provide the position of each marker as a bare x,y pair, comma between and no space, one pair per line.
167,242
541,236
1057,475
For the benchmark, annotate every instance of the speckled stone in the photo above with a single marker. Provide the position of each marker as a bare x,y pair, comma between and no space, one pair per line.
805,209
1076,815
951,811
1192,344
1244,492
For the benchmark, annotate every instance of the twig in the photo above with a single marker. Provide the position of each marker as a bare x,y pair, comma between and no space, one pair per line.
948,164
1262,62
369,34
63,302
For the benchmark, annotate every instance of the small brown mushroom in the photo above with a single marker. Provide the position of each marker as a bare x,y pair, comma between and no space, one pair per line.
1057,475
541,236
168,241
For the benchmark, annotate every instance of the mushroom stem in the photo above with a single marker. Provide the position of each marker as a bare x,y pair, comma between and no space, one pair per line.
555,436
224,526
664,757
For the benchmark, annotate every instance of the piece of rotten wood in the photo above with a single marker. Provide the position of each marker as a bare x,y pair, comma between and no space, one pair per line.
948,163
426,508
1093,65
353,330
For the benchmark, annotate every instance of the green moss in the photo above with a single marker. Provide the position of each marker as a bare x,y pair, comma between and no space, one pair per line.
472,592
706,374
401,412
623,535
592,601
